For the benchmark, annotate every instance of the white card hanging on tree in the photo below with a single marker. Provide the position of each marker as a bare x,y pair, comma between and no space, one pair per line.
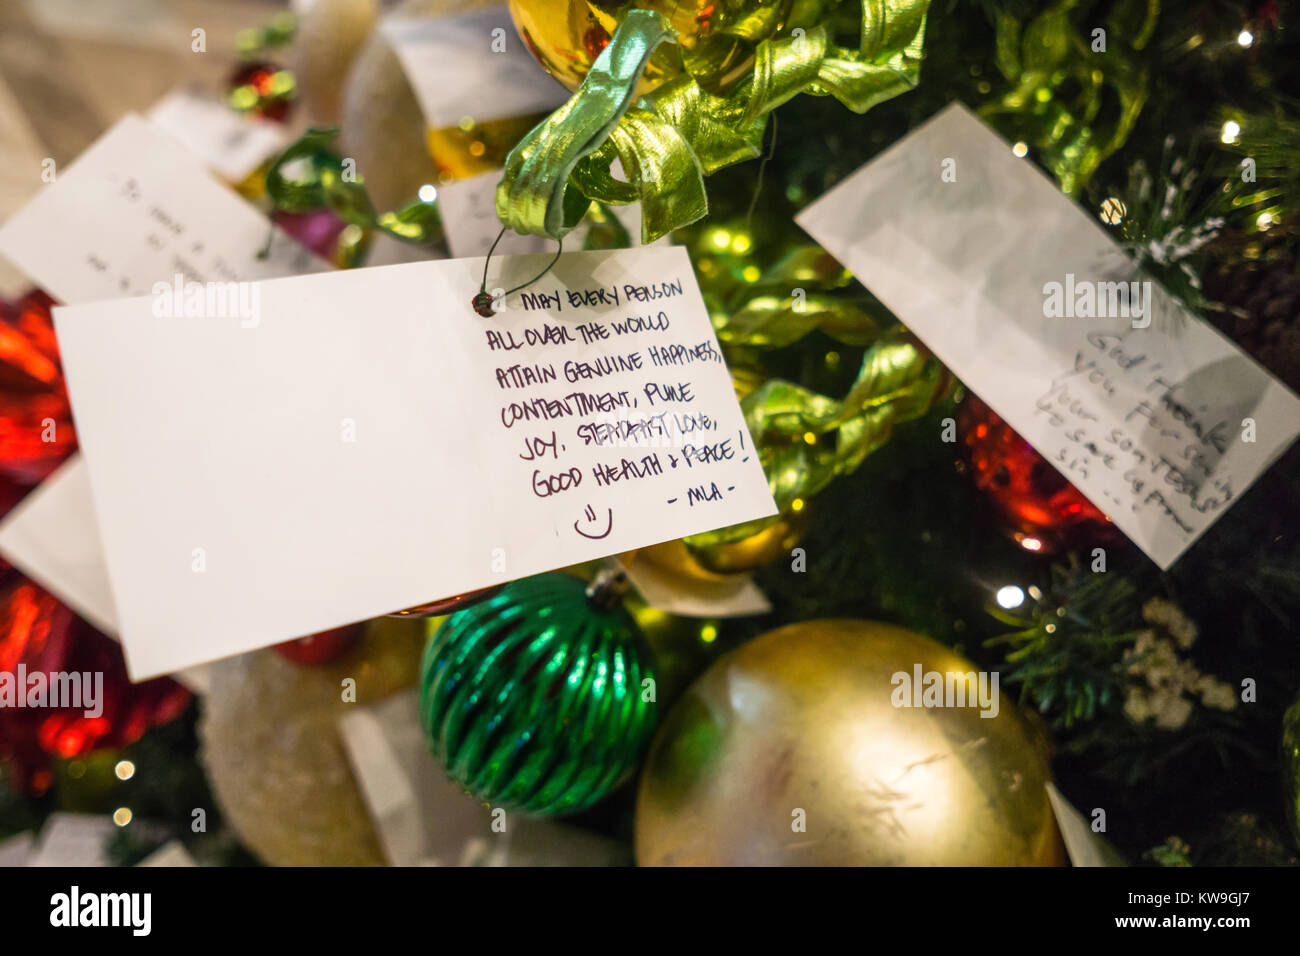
145,209
1157,418
363,441
231,144
471,66
424,818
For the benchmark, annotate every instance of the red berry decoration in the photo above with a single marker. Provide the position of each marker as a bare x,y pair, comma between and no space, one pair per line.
1036,505
320,648
262,89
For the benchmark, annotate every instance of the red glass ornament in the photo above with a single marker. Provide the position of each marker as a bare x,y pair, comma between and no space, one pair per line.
40,636
36,430
260,79
1036,505
320,648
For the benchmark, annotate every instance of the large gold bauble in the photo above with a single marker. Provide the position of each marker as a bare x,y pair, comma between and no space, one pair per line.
276,762
715,37
798,728
473,148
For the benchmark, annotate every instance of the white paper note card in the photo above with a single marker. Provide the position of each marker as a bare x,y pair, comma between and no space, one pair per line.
357,442
135,209
231,144
473,65
737,596
426,819
469,219
53,536
145,209
1153,415
73,839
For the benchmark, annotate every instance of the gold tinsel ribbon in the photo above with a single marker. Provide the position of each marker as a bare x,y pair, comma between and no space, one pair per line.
323,185
670,139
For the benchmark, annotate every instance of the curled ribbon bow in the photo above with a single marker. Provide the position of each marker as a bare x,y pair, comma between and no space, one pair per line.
670,139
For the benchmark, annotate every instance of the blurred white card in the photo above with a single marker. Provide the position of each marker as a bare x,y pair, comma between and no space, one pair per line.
138,208
1158,419
473,65
231,144
425,819
171,853
52,535
362,439
738,596
1083,846
16,850
73,839
145,208
469,218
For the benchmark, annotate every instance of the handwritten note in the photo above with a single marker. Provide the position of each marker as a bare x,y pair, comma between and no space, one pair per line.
471,65
144,209
232,145
1152,414
135,209
372,443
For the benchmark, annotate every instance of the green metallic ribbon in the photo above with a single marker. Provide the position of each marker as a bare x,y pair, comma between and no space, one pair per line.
323,186
669,140
805,439
783,302
276,34
1060,86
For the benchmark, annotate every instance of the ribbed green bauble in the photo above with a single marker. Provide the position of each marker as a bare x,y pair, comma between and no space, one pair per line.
541,698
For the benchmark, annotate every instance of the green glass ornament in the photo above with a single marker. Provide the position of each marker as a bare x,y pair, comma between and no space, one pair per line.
540,699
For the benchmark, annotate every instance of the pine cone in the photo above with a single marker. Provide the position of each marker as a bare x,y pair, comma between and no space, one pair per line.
1254,295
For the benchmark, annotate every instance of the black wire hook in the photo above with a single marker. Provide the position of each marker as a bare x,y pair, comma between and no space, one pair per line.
482,302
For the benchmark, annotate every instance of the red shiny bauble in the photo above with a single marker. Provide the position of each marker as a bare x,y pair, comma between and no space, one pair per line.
320,648
45,652
262,89
1036,505
36,431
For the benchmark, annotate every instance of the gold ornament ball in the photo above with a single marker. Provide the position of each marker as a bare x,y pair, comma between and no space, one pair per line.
276,762
789,751
716,37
